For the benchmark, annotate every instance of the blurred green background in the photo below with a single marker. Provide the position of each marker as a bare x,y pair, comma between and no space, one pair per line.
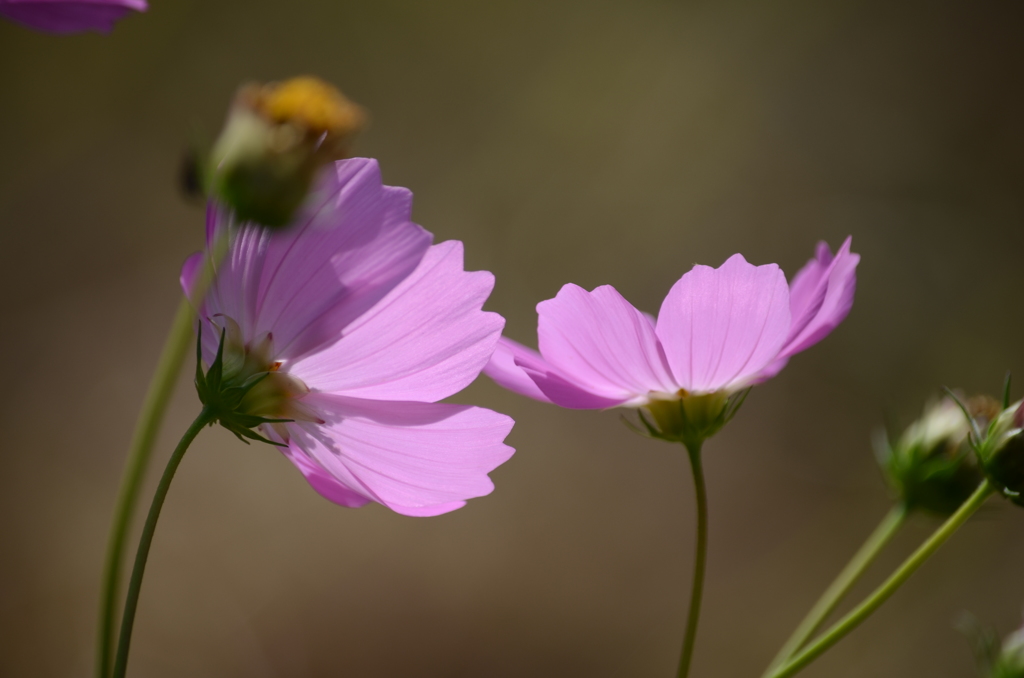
593,142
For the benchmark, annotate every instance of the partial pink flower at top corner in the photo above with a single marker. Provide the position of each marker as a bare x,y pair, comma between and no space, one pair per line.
70,16
719,331
361,326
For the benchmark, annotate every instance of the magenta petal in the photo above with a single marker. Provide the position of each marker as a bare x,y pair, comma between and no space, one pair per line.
352,244
720,327
190,271
833,280
69,16
425,341
415,458
600,343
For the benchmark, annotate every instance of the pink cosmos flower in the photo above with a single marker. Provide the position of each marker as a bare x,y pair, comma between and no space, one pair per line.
718,332
70,16
363,326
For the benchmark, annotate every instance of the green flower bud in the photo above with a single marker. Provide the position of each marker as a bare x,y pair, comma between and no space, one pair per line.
277,136
1010,663
932,466
1003,453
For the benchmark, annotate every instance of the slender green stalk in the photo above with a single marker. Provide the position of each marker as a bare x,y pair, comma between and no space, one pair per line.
148,424
883,592
699,560
838,589
154,405
206,416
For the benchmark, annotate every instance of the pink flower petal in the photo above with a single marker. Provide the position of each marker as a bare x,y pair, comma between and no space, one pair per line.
425,341
70,16
352,245
720,327
601,344
524,371
190,271
833,280
320,480
506,368
415,458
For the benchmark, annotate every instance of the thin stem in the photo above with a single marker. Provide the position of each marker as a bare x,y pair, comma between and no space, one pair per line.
838,589
148,424
154,405
883,592
699,560
146,540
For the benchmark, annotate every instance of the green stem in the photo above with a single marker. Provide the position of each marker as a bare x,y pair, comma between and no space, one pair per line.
699,560
883,592
146,540
154,405
148,424
842,585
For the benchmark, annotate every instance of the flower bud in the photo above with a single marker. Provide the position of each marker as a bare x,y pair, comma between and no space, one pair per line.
275,139
931,466
1003,453
1010,663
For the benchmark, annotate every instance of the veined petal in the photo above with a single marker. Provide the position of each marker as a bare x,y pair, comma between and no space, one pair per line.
506,368
600,343
831,279
720,327
70,16
352,244
415,458
424,341
524,371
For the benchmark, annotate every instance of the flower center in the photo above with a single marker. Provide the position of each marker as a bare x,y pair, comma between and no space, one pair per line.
276,394
690,417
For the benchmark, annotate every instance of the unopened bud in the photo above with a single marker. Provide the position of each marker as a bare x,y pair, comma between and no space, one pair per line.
1011,659
931,466
277,136
1003,453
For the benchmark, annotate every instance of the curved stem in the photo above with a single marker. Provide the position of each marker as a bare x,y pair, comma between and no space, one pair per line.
148,424
699,560
154,405
883,592
838,589
146,540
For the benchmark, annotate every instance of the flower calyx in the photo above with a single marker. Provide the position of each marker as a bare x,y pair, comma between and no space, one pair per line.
690,418
1002,453
277,136
226,393
932,466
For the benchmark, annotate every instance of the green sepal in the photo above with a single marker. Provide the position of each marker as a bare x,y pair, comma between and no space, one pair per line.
223,398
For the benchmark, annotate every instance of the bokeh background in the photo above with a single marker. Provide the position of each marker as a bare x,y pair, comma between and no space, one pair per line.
587,141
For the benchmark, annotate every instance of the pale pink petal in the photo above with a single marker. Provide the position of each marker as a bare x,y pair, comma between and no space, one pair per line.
834,280
351,245
424,341
69,16
415,458
506,368
721,327
601,344
320,480
523,370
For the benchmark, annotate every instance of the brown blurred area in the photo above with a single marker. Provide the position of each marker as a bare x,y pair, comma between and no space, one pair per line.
593,142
